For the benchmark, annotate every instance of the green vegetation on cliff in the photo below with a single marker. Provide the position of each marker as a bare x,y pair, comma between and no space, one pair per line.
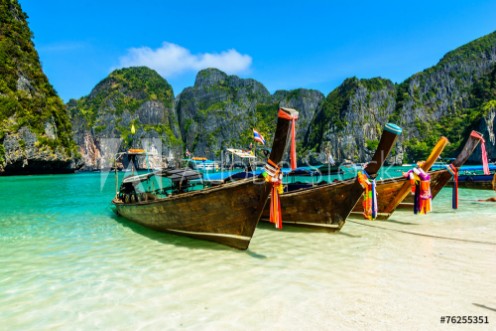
449,99
356,95
220,111
123,94
26,97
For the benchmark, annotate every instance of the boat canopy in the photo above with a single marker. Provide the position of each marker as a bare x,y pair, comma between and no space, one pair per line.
241,153
138,178
303,172
175,175
179,175
134,152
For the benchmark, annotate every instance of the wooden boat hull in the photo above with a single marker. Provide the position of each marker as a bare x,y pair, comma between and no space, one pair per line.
440,178
227,215
394,193
480,182
391,192
387,191
325,206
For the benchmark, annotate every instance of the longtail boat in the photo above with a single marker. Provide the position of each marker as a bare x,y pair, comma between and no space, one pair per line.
474,177
227,213
392,191
328,205
439,178
477,181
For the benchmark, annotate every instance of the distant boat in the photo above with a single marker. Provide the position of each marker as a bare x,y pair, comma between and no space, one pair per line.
240,159
476,181
330,169
225,213
202,163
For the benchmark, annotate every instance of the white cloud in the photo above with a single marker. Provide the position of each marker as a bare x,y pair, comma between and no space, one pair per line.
171,60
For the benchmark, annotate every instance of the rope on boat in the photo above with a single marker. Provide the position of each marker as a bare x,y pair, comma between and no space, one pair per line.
424,234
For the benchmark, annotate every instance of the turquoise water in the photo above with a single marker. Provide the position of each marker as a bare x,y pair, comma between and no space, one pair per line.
68,263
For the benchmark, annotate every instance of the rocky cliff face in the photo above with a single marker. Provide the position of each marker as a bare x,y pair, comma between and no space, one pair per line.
218,112
351,119
34,125
129,97
449,99
305,101
36,135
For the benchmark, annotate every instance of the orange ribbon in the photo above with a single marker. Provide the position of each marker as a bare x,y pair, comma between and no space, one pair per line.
273,175
369,195
425,205
286,116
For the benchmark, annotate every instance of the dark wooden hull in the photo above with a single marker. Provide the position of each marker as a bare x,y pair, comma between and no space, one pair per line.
391,192
227,215
480,182
325,206
388,191
440,178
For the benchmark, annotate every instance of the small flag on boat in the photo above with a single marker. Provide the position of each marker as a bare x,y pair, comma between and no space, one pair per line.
258,137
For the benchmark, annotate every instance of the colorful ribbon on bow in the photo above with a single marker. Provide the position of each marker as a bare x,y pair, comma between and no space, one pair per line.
369,203
454,197
273,175
284,115
421,188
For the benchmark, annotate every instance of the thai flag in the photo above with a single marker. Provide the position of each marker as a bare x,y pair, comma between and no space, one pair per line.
258,137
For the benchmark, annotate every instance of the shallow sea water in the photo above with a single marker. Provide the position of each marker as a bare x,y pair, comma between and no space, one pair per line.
68,263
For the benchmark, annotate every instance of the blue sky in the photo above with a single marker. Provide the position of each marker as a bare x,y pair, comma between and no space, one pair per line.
282,44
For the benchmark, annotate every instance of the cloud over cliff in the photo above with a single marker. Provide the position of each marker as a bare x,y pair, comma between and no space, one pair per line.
172,60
